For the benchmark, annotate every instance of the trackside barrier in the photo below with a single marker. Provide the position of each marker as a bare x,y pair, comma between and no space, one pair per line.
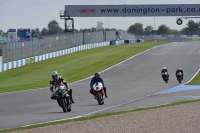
130,40
22,62
114,42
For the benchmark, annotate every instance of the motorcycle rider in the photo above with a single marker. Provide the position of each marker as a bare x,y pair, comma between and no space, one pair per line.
56,81
163,71
95,79
179,70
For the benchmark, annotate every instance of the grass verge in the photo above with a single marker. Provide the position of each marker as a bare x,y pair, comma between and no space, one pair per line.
72,67
95,116
196,80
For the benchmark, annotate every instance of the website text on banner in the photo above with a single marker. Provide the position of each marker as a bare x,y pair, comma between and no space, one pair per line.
132,10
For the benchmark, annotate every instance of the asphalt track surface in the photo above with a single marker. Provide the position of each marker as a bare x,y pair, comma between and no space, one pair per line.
131,84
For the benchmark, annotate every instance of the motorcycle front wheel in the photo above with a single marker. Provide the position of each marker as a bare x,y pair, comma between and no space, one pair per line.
63,104
68,104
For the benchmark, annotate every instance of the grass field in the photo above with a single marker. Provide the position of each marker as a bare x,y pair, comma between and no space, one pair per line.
72,67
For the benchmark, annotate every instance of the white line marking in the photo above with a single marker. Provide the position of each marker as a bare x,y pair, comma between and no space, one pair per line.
87,113
92,75
193,77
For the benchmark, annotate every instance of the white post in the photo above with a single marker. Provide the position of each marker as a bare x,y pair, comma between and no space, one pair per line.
154,25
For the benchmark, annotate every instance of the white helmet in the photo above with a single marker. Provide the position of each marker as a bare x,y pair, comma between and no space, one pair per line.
54,74
164,68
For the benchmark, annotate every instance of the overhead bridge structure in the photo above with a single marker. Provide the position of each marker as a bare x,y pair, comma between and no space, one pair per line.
185,10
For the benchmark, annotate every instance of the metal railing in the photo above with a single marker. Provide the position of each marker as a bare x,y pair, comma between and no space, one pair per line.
15,50
169,38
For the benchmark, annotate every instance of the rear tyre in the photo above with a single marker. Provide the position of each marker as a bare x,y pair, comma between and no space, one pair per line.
165,79
68,104
179,79
98,95
63,105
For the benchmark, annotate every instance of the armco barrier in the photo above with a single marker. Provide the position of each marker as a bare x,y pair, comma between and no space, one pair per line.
189,35
114,42
22,62
130,40
120,42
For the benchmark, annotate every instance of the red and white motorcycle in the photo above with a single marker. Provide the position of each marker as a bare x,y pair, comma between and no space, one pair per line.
99,92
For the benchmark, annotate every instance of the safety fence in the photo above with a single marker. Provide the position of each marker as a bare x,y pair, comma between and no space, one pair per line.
170,38
26,61
21,49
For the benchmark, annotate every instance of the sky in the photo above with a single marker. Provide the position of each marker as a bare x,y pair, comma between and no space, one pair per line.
16,14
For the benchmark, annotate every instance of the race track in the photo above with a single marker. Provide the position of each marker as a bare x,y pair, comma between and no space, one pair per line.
132,81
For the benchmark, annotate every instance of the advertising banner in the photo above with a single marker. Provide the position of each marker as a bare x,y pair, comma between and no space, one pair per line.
132,10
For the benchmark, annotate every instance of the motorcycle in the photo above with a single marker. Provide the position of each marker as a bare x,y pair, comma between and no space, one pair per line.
165,77
179,77
99,93
63,98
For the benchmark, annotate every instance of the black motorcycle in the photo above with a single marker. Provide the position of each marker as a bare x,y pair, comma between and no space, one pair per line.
165,77
63,98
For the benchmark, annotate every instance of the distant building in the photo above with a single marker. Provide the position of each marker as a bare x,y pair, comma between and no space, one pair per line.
99,25
12,34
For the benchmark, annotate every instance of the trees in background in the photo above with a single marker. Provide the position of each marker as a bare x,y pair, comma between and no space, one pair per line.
136,28
174,31
2,33
191,28
148,30
52,28
37,32
163,30
44,31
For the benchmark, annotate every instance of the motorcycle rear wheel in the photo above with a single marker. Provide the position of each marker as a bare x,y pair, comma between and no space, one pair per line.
99,97
68,105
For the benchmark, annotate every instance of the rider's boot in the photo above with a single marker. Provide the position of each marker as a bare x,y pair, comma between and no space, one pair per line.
70,94
105,92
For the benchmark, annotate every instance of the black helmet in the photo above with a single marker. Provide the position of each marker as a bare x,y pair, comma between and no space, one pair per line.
96,75
54,74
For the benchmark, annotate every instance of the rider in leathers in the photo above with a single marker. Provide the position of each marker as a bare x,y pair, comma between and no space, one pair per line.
56,81
179,70
163,71
95,79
